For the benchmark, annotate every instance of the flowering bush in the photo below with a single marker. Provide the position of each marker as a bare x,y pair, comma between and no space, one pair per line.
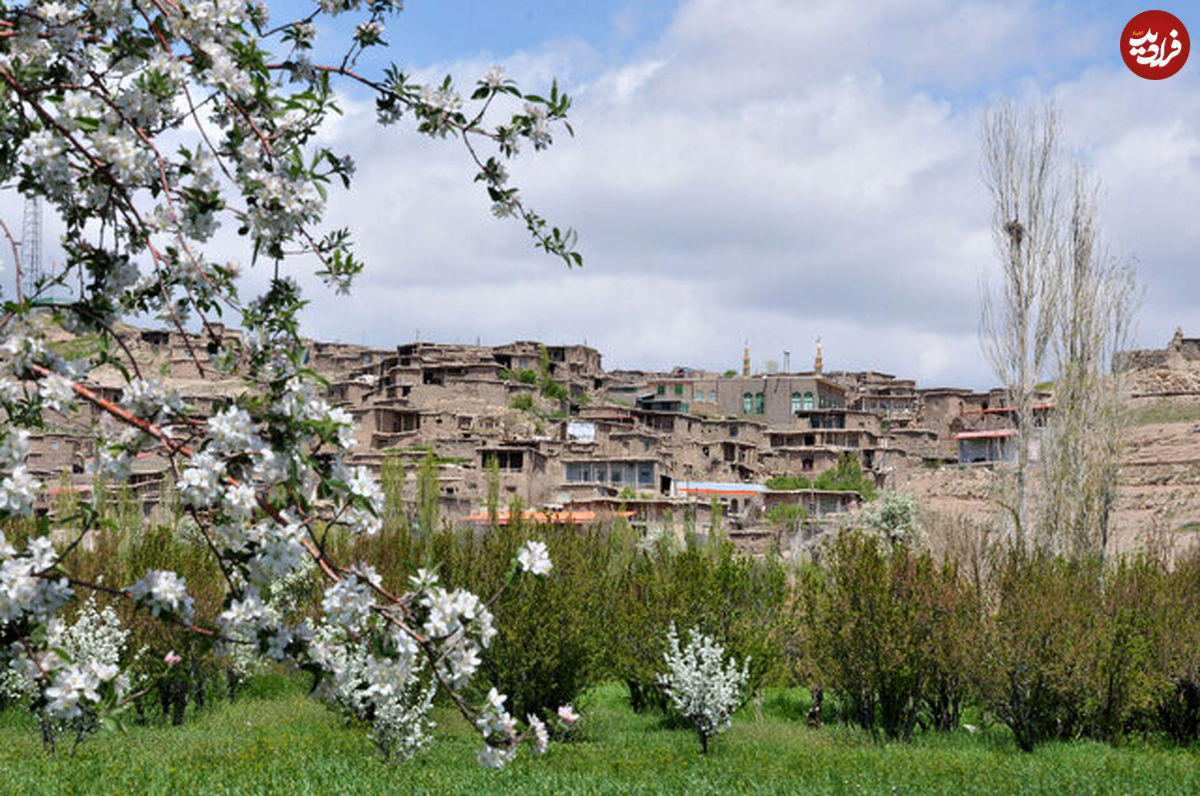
147,127
701,686
893,516
91,649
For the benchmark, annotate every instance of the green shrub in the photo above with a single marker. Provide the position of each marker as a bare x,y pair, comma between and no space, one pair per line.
1177,706
868,617
554,391
847,475
786,482
786,517
739,600
1031,672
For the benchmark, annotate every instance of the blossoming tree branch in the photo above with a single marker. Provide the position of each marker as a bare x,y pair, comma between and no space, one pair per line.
147,125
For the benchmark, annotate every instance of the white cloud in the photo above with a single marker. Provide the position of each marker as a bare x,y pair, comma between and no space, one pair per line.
846,205
769,171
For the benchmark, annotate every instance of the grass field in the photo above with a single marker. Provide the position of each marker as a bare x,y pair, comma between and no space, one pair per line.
1166,412
278,741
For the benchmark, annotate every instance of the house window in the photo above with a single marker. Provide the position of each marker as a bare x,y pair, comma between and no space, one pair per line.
760,404
645,474
679,389
747,403
662,389
712,396
510,460
808,400
795,402
733,432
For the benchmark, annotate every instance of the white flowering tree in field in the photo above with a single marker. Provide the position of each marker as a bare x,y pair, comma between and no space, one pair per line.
147,125
894,516
702,687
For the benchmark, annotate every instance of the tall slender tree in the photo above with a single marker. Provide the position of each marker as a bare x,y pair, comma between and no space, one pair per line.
1022,170
1062,308
1081,445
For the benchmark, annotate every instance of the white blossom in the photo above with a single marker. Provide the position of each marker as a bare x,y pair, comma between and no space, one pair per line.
162,590
201,482
345,427
18,492
424,579
347,602
240,501
540,733
93,643
151,400
232,431
279,551
534,558
14,448
494,757
150,150
494,77
245,615
57,392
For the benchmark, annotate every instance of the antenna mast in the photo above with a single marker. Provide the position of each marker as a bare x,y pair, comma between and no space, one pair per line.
31,246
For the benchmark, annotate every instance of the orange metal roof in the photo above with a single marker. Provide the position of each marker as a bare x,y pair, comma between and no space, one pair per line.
1002,409
1007,432
576,517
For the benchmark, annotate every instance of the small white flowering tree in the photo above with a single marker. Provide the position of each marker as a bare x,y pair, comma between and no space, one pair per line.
702,687
895,517
146,125
91,649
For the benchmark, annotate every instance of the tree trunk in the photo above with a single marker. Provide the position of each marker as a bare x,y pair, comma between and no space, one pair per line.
813,719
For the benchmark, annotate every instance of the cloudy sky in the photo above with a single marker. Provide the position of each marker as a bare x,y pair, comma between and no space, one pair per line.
764,171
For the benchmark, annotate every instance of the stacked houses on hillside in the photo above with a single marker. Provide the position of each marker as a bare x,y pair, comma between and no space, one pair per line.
571,439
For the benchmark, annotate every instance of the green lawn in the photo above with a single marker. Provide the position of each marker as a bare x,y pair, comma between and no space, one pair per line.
283,743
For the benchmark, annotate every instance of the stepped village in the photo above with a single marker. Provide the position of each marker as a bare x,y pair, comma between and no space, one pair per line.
576,443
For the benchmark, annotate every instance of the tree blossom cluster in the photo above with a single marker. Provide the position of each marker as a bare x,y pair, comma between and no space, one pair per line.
388,694
147,127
